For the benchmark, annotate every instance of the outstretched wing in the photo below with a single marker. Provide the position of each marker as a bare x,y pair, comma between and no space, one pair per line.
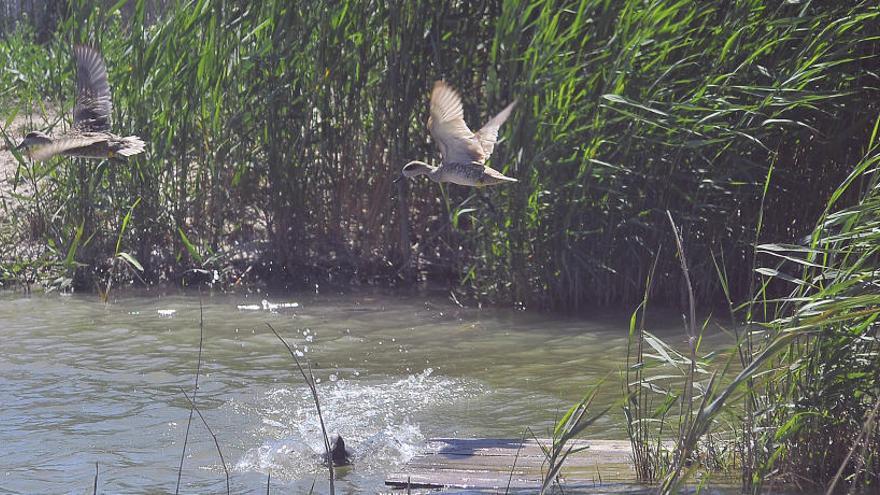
62,144
456,142
93,105
488,135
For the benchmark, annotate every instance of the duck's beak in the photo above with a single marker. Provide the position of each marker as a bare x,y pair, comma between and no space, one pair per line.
20,146
398,178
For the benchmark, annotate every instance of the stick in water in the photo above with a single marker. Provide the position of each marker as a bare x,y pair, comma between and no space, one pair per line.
195,391
216,442
310,382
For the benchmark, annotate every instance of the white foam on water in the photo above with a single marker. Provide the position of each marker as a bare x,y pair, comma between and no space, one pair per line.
166,313
379,422
270,306
266,305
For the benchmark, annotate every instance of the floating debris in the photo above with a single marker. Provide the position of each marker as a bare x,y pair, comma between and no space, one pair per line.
266,306
270,306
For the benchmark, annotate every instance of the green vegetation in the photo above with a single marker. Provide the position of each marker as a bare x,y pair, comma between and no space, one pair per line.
803,410
275,131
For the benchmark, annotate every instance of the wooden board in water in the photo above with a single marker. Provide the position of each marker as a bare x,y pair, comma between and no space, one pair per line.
486,464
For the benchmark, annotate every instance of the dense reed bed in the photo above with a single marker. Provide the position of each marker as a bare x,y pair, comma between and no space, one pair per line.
275,131
742,133
795,404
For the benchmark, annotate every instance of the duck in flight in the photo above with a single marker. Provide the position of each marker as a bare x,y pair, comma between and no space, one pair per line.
464,153
90,136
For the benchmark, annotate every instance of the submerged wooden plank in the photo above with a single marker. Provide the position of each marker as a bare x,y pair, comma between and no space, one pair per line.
490,464
469,480
603,451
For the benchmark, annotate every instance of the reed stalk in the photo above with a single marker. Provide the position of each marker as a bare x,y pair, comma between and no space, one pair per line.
275,131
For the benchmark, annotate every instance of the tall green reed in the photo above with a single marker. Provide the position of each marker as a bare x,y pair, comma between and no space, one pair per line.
275,131
802,409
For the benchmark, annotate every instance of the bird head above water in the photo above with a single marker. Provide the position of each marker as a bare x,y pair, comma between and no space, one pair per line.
339,455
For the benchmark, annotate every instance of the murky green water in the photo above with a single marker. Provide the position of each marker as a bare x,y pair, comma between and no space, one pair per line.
84,382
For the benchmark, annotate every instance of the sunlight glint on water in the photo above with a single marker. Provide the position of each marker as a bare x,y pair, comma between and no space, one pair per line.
83,382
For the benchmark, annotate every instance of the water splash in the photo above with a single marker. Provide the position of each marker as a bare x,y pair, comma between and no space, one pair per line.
379,422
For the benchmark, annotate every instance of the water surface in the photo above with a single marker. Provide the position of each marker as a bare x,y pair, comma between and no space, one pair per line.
84,382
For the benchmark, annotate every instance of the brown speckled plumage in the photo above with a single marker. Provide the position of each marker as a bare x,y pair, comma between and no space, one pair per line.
464,153
90,136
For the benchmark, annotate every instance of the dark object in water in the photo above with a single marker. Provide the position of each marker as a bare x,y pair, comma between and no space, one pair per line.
339,455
